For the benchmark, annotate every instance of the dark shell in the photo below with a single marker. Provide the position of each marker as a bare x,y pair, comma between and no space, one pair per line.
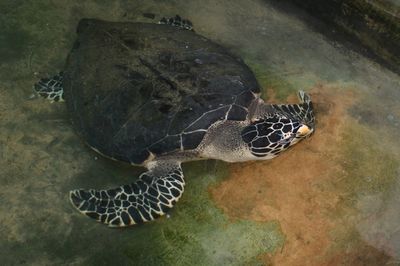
135,88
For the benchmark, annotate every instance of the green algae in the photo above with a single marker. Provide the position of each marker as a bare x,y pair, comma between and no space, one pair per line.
279,82
369,173
268,79
369,169
196,233
13,42
34,38
200,234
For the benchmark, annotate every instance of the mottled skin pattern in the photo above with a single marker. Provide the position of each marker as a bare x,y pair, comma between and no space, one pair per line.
166,96
276,131
51,88
148,198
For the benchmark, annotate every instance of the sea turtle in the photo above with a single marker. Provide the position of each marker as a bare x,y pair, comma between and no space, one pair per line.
155,95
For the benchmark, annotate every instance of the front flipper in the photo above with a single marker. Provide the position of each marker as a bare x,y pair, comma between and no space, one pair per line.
156,191
51,88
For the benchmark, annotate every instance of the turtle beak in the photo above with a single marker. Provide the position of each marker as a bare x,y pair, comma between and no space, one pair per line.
304,131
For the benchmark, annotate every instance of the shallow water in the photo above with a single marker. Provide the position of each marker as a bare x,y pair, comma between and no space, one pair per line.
333,199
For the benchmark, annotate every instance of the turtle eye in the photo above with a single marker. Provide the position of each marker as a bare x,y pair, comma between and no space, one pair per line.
286,138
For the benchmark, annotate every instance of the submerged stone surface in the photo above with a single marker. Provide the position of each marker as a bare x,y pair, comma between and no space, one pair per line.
330,200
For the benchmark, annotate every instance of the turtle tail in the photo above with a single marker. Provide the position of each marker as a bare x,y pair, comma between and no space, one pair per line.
51,88
156,191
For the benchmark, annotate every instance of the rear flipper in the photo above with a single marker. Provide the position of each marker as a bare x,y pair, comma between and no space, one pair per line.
156,191
51,88
177,21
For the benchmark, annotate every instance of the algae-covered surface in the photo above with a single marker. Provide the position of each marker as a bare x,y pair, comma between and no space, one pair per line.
331,200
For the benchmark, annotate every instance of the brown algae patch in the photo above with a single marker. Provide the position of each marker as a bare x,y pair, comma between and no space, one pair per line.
268,78
198,233
370,189
309,190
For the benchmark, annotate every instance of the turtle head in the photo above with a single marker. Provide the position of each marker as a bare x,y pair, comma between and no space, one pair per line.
282,126
301,115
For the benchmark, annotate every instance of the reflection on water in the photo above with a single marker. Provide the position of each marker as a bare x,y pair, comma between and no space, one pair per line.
331,200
